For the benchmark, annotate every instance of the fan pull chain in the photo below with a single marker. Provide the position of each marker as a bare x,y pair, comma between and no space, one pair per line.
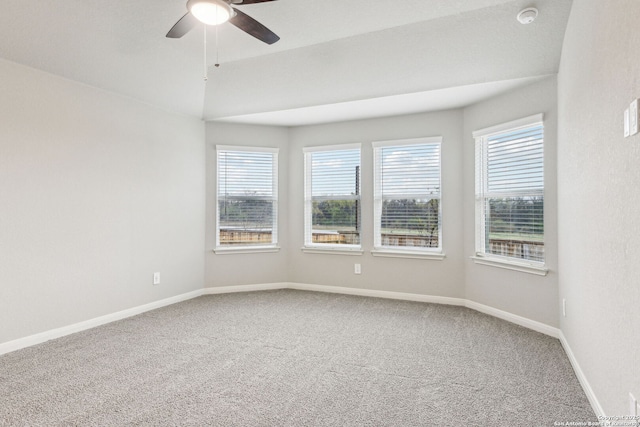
217,51
206,71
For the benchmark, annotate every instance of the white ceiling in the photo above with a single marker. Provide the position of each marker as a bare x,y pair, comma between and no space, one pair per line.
337,59
395,105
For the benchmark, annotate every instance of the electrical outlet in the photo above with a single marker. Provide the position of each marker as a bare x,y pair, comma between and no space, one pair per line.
357,269
633,405
564,307
156,278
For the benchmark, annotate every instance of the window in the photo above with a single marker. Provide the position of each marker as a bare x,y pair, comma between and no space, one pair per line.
510,192
407,210
247,198
332,197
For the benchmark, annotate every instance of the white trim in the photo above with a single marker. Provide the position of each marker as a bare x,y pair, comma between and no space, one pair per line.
494,312
316,148
247,148
403,142
31,340
379,197
582,378
434,299
222,250
332,250
275,196
378,294
399,253
514,318
539,270
244,288
514,124
308,188
92,323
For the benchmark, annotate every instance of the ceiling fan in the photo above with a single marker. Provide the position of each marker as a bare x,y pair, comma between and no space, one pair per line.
214,12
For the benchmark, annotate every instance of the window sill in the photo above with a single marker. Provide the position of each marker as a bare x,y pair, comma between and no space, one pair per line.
399,253
332,250
246,250
539,270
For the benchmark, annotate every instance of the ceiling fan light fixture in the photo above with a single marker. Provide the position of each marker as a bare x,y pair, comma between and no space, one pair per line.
210,12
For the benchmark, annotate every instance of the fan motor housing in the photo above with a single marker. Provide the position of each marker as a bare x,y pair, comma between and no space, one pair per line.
528,15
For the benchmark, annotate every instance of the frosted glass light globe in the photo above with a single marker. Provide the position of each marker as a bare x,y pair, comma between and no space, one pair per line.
210,12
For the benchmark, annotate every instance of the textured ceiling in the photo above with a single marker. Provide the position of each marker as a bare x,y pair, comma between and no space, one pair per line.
330,52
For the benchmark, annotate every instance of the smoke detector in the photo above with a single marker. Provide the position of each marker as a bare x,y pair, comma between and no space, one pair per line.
528,15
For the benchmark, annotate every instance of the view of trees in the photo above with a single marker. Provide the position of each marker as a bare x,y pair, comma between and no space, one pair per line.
246,214
336,214
411,216
400,217
516,218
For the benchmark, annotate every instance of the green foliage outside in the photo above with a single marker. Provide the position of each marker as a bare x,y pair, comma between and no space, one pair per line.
247,214
335,214
517,218
411,217
403,216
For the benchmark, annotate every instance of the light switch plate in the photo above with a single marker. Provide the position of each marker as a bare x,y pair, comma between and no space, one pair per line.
627,128
633,117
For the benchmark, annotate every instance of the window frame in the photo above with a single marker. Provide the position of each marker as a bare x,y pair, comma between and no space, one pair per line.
481,176
249,248
326,248
378,199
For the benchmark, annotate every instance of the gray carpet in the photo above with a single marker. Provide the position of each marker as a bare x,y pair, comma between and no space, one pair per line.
293,358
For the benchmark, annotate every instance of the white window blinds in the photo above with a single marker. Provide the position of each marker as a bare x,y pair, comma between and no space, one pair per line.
332,196
407,194
247,196
510,191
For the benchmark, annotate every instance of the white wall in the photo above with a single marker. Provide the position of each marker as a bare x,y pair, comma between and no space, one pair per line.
527,295
599,197
246,269
97,192
530,296
427,277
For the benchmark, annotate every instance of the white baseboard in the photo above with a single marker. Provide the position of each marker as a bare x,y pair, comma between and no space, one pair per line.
21,343
244,288
504,315
378,294
510,317
514,318
586,387
60,332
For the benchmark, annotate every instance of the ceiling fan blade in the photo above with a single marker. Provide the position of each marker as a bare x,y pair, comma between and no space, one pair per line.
241,2
253,27
183,26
